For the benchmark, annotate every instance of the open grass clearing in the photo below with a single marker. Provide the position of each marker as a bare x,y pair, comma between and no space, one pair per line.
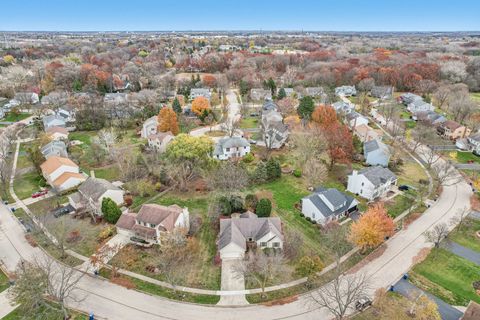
3,281
466,235
397,205
28,183
249,122
14,117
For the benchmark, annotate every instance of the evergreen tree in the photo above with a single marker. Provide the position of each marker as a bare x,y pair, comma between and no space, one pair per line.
244,87
176,106
274,170
306,107
110,210
264,208
281,94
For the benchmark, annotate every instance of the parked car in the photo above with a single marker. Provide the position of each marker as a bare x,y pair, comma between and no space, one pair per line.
252,141
404,187
363,303
39,193
57,213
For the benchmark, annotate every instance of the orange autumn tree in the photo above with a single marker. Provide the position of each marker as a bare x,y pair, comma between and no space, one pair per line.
200,106
339,143
324,116
167,121
372,228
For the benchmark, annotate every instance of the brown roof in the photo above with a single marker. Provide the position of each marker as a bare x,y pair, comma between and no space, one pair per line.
160,136
56,129
53,163
65,176
157,214
144,231
472,312
452,125
126,221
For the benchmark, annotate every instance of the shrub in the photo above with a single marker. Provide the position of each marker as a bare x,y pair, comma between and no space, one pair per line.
251,201
106,233
297,173
274,171
302,215
264,208
111,212
248,158
308,219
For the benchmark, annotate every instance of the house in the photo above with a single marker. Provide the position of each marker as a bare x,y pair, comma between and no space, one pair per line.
55,98
289,92
325,205
453,130
474,142
355,119
365,133
376,153
408,98
472,312
231,147
57,133
200,92
61,173
346,91
160,140
67,115
420,105
91,193
154,222
257,94
53,121
274,131
21,98
314,92
430,117
239,233
149,127
269,105
55,148
372,182
382,92
343,108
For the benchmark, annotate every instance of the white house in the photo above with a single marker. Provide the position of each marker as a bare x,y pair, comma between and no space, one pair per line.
54,148
57,133
231,147
149,127
474,142
200,92
325,205
239,233
53,120
346,91
160,141
355,119
376,153
343,108
420,105
61,173
274,131
372,182
154,222
24,98
91,193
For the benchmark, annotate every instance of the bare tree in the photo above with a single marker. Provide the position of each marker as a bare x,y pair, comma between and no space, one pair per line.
445,174
437,234
41,281
260,267
441,95
460,218
61,229
339,296
315,171
422,134
429,156
231,127
228,177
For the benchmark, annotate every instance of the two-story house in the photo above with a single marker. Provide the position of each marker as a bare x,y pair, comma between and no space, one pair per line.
149,127
376,153
200,92
274,131
372,182
160,140
231,147
346,91
61,173
54,148
453,130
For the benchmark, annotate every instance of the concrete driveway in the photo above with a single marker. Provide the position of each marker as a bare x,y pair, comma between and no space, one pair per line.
107,252
232,281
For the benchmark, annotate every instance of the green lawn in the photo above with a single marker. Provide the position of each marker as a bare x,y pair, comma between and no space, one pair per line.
466,236
3,281
410,172
83,136
13,117
475,96
110,173
397,205
28,183
18,314
249,122
447,276
464,157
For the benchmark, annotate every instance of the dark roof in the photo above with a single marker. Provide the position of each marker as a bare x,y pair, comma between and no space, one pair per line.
94,188
269,105
377,175
341,201
374,145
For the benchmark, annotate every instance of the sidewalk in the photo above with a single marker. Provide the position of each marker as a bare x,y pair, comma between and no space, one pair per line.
5,306
106,253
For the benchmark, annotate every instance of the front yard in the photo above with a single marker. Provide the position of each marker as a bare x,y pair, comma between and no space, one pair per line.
467,235
249,122
397,205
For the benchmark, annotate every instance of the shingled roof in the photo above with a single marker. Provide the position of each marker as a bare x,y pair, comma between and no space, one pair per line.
157,214
94,188
341,202
377,175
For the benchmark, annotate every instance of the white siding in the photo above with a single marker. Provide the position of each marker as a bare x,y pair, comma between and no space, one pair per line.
311,211
61,170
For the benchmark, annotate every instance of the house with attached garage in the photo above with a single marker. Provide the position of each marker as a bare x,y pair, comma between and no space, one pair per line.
355,119
346,91
231,147
91,193
55,148
61,173
343,108
376,153
314,92
372,182
269,105
258,94
382,92
453,130
408,98
247,231
200,92
430,117
365,133
419,105
474,142
149,127
159,141
153,223
53,120
325,205
274,131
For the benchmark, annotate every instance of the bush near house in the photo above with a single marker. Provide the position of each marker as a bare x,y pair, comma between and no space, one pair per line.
264,208
110,210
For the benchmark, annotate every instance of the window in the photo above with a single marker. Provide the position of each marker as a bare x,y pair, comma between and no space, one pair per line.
276,244
363,183
313,215
263,244
361,191
250,239
227,149
152,225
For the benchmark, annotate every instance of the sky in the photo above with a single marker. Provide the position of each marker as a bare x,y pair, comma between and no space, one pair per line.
185,15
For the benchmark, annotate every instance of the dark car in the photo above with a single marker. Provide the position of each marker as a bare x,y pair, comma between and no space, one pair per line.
363,303
403,188
62,211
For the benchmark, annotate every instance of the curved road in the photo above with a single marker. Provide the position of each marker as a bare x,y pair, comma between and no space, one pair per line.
110,301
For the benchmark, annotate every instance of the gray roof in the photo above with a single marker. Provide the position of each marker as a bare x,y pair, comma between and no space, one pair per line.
269,105
314,91
55,145
382,91
374,145
378,175
475,137
340,200
230,142
200,91
94,188
48,119
248,225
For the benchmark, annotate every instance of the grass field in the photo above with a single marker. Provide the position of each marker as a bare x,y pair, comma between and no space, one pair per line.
465,157
249,123
18,314
398,205
14,117
447,276
28,183
467,235
83,136
3,281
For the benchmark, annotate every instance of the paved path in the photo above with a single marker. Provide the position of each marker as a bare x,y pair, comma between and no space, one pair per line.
107,252
5,306
462,251
232,281
411,292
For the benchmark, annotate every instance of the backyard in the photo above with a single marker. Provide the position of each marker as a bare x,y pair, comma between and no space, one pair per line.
249,122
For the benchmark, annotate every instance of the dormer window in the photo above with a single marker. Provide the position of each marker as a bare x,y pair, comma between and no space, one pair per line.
250,239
